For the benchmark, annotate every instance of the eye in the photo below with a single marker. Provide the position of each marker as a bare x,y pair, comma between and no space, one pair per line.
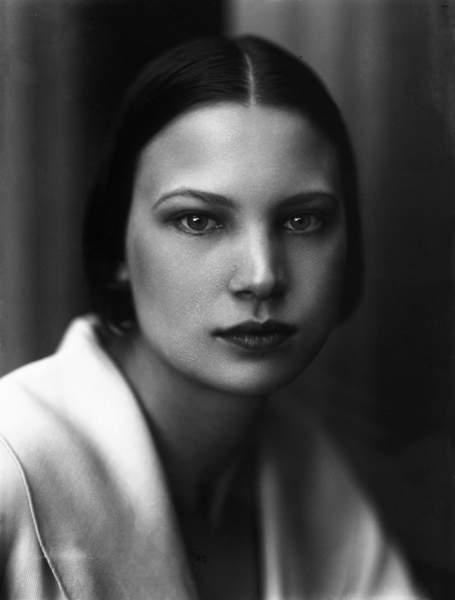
197,224
304,223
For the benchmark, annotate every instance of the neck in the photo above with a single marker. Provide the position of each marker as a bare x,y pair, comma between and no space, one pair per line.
201,432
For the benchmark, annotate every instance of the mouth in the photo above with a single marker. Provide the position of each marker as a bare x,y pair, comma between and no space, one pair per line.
256,336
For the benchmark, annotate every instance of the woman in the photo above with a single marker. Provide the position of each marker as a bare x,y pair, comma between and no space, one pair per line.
145,459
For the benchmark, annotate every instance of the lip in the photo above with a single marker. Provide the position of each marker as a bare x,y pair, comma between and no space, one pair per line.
257,336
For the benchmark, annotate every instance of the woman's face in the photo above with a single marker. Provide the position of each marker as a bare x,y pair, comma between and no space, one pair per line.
235,246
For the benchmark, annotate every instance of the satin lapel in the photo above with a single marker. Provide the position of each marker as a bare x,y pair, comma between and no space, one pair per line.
98,487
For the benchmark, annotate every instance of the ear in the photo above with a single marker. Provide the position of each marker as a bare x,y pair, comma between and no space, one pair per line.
122,274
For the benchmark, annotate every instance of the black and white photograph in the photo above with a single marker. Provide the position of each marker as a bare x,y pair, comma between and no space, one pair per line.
226,311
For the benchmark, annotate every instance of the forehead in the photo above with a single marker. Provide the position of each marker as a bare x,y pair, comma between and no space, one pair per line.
237,149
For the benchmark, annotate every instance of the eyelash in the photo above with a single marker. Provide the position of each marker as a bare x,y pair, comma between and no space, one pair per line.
313,227
178,222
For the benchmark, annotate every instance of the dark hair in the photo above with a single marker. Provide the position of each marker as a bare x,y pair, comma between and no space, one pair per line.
205,71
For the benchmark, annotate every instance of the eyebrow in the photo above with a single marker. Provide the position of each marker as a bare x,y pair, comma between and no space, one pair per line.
207,197
220,200
311,196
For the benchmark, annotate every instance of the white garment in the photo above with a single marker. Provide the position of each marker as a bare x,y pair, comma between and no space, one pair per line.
85,513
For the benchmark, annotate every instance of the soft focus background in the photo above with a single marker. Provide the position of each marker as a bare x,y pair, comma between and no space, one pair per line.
384,378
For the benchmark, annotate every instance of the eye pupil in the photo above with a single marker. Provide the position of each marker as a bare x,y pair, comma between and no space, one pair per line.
197,222
299,222
304,223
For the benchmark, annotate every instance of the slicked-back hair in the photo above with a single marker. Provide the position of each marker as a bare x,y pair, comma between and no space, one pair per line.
247,70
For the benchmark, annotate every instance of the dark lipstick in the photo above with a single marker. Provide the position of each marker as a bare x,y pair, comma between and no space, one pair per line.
257,336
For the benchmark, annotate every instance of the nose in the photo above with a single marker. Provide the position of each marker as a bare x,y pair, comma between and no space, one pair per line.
259,272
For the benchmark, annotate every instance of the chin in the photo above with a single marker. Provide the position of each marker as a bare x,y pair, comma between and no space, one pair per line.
261,382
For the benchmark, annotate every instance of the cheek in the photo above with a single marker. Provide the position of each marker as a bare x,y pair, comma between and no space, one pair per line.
170,280
319,277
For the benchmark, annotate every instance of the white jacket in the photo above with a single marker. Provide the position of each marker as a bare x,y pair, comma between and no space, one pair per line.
85,513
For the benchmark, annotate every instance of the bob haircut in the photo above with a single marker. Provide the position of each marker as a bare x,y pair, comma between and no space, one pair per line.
247,70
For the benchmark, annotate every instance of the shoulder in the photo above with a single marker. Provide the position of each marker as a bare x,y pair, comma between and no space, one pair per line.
29,396
75,427
30,418
54,401
35,425
50,413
